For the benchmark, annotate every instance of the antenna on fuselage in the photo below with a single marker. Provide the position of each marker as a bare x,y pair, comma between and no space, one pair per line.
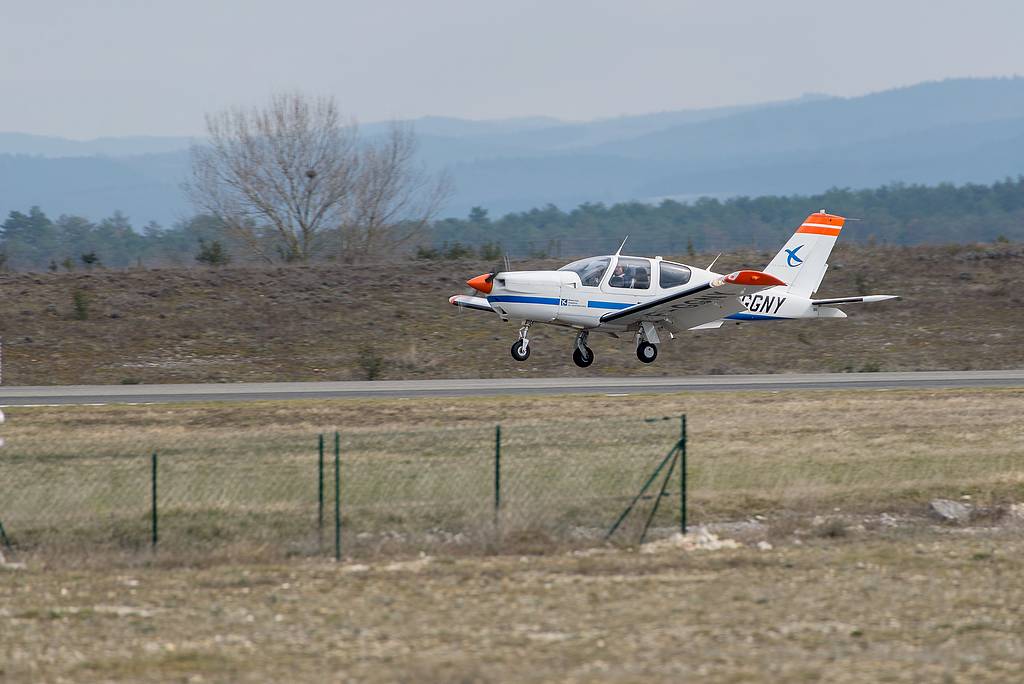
713,262
619,250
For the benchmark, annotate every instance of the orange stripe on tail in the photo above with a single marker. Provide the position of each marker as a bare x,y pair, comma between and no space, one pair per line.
819,230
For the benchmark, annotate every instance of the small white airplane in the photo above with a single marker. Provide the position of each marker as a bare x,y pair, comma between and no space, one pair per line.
639,296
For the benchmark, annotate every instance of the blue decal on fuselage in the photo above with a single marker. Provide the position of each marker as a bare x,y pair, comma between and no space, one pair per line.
754,317
607,305
519,299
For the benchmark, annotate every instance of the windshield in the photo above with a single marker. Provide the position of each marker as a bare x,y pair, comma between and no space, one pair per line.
589,270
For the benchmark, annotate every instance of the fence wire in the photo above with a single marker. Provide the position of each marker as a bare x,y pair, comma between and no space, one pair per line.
527,482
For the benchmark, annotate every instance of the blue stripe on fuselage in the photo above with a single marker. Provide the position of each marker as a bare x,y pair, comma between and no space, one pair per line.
522,299
753,317
518,299
607,305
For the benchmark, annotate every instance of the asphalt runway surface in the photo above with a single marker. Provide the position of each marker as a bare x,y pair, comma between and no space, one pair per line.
153,394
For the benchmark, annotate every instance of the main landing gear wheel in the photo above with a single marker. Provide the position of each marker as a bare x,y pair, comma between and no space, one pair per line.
646,352
583,357
520,350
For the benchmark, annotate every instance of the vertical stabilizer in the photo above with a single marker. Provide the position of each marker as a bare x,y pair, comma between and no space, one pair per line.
804,258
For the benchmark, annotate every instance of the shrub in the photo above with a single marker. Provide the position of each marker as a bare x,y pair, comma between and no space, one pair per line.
490,251
371,363
80,305
457,250
212,253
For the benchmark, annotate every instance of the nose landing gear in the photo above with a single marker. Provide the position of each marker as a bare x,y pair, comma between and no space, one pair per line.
521,348
582,355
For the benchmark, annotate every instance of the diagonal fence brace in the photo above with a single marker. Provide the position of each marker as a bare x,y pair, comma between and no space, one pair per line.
661,493
669,456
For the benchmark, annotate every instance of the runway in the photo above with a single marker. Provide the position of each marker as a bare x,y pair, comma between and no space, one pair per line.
146,394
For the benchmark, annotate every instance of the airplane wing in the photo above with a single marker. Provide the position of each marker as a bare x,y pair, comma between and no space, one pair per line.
699,304
468,302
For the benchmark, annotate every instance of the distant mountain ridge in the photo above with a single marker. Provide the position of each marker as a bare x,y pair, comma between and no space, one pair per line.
52,146
955,130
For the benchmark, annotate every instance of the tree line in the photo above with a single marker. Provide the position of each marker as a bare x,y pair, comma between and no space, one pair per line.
34,241
894,214
897,214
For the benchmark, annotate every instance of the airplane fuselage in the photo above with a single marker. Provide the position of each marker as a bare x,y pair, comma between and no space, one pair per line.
561,298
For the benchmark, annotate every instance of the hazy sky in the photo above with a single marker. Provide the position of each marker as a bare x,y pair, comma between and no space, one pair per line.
81,68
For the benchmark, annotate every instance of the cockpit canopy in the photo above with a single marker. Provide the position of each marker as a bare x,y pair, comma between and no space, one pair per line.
630,272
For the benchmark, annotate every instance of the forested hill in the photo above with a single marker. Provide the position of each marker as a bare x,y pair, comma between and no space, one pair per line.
893,214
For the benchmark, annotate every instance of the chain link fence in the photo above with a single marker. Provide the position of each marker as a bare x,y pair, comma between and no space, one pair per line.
523,484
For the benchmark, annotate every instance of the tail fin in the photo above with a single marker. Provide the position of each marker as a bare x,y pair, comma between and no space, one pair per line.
802,261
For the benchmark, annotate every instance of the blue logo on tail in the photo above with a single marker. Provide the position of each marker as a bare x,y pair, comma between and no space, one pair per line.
791,258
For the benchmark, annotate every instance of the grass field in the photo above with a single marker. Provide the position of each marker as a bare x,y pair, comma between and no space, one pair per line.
839,575
420,471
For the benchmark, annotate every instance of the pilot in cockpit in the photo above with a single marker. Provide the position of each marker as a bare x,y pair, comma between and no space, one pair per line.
618,278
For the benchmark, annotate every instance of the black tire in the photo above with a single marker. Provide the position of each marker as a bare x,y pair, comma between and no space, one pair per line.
646,352
519,352
583,360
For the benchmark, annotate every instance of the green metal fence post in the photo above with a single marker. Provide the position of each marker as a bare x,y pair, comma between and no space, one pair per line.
155,526
3,536
337,496
497,473
682,473
320,486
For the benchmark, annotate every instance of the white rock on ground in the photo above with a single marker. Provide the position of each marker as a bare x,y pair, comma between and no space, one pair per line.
950,511
700,540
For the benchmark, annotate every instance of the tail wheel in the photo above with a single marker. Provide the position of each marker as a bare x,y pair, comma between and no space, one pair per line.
646,352
583,357
520,351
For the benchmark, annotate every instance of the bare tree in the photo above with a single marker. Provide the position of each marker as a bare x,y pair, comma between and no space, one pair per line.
393,199
292,181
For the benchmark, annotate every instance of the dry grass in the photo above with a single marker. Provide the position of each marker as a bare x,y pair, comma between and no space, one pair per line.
897,607
314,322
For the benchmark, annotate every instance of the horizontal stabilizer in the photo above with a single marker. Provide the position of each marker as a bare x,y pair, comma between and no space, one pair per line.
853,300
